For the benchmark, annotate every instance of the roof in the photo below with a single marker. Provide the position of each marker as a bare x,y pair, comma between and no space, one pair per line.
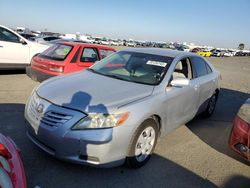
87,45
158,51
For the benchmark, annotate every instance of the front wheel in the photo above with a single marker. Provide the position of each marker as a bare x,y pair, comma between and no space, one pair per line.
143,144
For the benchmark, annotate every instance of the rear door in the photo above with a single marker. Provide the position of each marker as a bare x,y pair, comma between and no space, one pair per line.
12,50
204,78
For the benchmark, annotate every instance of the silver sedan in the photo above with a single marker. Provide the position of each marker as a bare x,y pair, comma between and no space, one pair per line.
115,111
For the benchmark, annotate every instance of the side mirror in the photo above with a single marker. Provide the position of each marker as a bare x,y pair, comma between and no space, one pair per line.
179,82
22,41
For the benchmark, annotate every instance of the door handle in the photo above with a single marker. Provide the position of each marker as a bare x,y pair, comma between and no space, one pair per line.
1,46
196,87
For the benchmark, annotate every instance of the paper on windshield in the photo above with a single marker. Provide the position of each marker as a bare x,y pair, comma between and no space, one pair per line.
157,63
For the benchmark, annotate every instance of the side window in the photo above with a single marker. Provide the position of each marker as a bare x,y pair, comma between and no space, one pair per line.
200,67
75,57
89,55
209,70
8,36
183,69
105,53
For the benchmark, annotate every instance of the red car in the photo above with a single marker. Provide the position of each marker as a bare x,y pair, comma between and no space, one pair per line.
240,135
66,57
11,167
195,50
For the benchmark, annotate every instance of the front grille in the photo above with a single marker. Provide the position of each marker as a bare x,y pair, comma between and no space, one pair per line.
51,118
55,118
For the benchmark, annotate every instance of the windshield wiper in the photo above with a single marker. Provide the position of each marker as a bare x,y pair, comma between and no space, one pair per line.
115,76
109,75
91,70
94,71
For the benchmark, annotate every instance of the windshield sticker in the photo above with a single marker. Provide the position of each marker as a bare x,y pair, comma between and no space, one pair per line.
157,63
66,51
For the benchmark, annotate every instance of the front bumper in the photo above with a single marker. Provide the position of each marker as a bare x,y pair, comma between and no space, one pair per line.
76,148
37,75
97,147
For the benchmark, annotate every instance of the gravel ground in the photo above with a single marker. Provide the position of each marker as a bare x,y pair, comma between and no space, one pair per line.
194,155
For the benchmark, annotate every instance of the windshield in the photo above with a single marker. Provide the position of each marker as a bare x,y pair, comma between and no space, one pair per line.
57,52
134,67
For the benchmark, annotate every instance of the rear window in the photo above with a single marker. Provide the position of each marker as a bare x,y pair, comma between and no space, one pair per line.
57,52
105,53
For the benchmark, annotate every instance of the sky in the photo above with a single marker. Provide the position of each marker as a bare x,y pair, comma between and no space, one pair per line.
219,23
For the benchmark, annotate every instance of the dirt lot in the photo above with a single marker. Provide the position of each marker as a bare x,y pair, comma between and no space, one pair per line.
195,155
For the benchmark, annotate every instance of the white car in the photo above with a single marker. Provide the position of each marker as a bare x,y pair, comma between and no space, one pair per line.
131,44
227,54
104,42
16,52
113,43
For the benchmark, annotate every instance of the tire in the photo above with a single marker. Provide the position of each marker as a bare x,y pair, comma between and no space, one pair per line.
138,145
211,106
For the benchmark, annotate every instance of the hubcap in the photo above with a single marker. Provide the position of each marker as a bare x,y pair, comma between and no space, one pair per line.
144,144
212,103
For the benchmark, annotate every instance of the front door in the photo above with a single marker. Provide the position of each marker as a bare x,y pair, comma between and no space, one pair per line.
11,49
88,57
181,102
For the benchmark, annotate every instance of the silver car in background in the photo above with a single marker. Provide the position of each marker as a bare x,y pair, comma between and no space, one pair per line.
115,111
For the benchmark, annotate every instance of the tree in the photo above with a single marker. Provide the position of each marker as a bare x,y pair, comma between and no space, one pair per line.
241,46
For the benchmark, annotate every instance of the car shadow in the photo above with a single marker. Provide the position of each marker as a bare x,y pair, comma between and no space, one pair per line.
10,72
215,131
46,171
236,181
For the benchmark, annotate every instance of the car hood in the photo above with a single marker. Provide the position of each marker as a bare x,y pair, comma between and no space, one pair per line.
90,92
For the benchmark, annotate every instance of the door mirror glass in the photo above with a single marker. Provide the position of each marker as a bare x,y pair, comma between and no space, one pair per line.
179,82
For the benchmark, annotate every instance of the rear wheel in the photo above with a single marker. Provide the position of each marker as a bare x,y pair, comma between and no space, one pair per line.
142,144
211,105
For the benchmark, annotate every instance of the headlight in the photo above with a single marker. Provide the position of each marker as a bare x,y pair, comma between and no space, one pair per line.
94,121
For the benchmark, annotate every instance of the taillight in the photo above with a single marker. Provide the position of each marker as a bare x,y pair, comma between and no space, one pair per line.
4,152
4,164
242,125
55,68
244,112
5,180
